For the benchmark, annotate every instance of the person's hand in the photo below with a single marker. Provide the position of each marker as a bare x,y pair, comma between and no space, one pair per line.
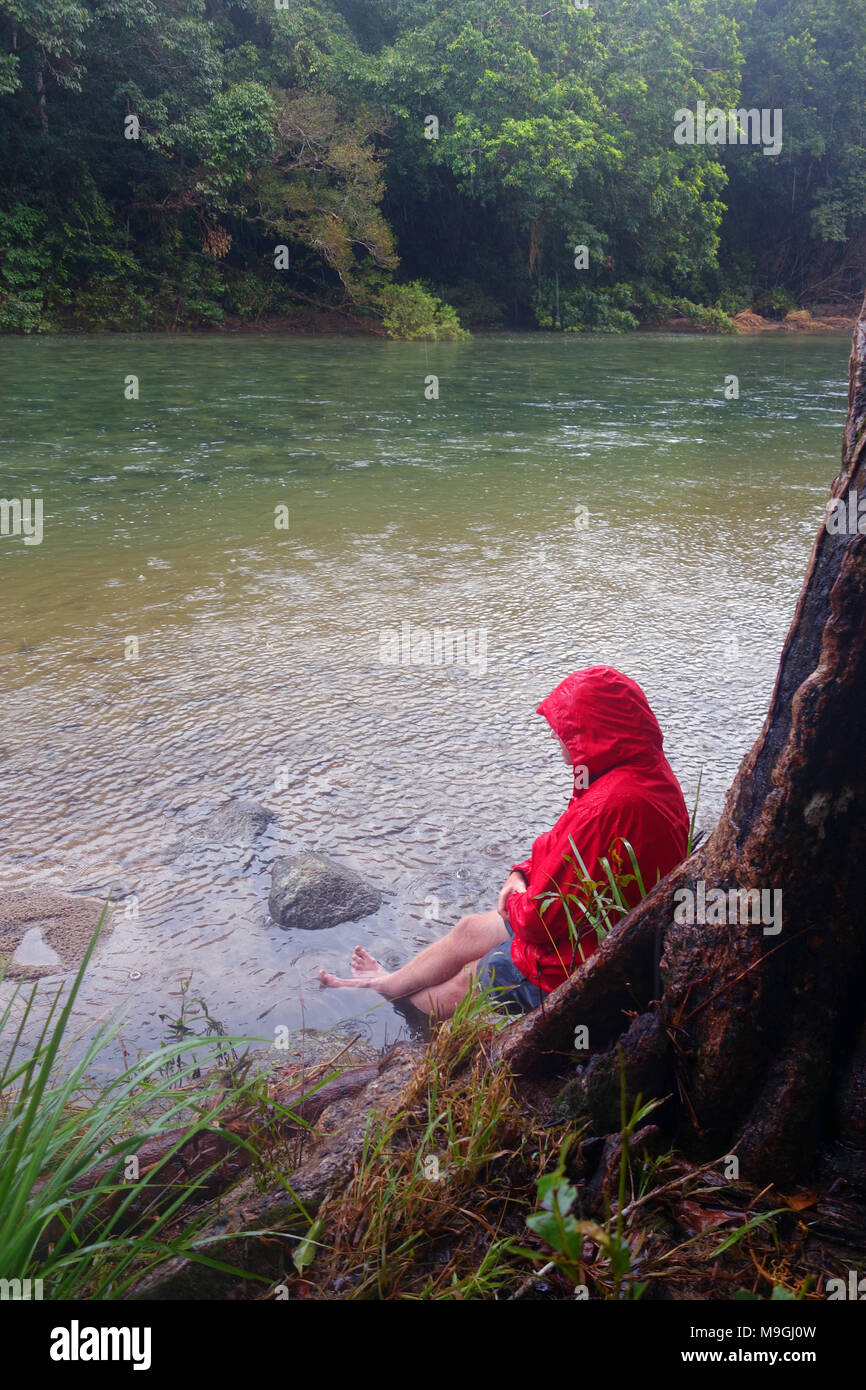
515,883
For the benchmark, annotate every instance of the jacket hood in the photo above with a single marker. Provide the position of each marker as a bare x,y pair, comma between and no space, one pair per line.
604,720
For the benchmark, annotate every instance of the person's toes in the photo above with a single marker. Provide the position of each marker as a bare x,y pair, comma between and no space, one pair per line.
363,962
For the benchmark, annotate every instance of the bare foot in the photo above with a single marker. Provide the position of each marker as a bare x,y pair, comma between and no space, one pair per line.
367,973
335,982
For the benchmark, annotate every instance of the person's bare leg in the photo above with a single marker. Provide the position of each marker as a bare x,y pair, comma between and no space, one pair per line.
437,964
441,1001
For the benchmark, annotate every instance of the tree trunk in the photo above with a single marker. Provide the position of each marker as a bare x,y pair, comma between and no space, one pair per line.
757,1037
41,107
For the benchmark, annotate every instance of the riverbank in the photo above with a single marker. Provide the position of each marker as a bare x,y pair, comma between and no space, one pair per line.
315,322
824,319
435,1174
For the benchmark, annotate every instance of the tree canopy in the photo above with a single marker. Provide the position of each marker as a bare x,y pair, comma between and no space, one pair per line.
517,160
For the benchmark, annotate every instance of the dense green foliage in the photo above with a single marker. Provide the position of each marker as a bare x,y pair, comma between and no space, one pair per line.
185,162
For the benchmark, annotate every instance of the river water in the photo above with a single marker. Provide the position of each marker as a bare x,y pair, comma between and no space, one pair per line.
563,501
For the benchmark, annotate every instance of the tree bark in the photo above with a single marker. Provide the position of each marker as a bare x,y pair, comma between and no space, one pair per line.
41,106
758,1038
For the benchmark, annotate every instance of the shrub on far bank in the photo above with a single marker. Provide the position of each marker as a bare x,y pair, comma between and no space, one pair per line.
474,306
776,303
654,308
584,308
411,311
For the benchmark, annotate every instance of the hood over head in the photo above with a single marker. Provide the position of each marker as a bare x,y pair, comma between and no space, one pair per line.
604,720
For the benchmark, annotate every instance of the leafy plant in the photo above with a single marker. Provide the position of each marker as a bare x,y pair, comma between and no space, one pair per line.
775,303
566,1235
780,1294
555,1224
595,905
411,311
694,815
59,1220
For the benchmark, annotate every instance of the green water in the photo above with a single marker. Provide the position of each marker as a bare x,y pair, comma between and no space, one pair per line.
579,500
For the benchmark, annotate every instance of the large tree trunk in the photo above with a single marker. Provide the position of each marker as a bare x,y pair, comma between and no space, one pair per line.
758,1038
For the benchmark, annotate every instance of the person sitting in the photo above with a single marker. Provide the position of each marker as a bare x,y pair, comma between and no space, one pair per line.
625,795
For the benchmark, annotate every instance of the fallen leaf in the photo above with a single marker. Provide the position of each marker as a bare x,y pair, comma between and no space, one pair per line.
800,1200
695,1218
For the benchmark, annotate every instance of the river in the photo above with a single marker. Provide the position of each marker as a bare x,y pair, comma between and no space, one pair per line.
562,500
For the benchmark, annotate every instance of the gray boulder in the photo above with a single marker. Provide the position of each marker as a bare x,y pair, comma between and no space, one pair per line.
311,892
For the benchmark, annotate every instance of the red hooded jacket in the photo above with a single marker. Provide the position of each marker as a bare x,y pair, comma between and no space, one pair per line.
624,790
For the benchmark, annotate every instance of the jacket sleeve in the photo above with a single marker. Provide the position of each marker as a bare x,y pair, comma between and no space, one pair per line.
554,872
524,868
547,928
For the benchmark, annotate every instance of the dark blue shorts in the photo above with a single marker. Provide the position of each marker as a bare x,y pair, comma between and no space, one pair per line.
513,991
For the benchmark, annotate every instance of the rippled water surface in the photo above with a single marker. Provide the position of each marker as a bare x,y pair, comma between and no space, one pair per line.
259,671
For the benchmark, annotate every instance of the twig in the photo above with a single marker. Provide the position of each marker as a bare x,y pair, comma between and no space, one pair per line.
668,1186
527,1283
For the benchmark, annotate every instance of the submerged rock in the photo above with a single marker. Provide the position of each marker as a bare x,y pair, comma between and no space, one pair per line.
238,822
311,892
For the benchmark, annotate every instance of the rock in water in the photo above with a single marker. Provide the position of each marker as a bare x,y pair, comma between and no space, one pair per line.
310,892
238,822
